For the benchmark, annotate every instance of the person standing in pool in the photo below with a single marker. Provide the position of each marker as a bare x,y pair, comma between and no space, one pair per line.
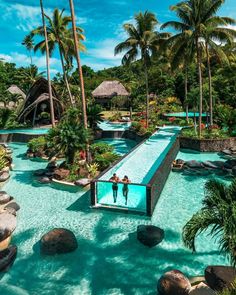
125,188
115,179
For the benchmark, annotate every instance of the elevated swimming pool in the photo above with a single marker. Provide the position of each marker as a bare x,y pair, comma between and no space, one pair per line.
114,126
140,166
31,131
183,114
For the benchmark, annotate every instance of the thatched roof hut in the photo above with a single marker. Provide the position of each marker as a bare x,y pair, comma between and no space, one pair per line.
107,90
37,102
14,89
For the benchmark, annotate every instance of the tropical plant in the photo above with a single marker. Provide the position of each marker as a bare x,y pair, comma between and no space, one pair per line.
197,18
93,169
142,39
69,136
229,291
218,215
38,144
44,32
226,118
99,148
94,115
28,42
59,35
28,76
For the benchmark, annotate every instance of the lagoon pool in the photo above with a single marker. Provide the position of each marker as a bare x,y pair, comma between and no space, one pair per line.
109,259
25,131
109,126
183,114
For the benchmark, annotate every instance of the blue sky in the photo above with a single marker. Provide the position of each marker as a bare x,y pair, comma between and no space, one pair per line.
101,20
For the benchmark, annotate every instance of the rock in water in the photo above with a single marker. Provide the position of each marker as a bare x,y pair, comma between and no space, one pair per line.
219,277
173,282
58,241
7,225
149,235
13,205
4,198
4,176
201,289
7,257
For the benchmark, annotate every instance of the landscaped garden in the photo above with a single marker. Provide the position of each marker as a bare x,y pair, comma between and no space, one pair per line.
82,149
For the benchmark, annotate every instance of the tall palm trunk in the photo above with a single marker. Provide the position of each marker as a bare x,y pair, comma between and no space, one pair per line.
199,64
209,85
76,44
147,92
31,58
186,90
64,74
48,66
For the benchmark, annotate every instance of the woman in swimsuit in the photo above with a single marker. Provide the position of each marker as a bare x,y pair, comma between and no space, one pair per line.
125,188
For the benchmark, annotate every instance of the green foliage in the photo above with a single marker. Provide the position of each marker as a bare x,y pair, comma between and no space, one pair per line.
99,148
225,117
105,160
38,144
3,161
214,133
94,115
217,215
116,117
229,291
93,169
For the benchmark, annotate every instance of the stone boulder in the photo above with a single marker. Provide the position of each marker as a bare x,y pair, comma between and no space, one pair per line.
234,170
52,165
219,277
4,198
173,282
58,241
82,181
61,173
40,172
229,164
149,235
201,289
194,164
45,180
7,225
13,205
4,176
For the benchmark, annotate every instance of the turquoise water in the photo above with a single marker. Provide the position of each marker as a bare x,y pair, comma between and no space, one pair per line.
108,126
143,162
109,259
183,114
121,146
26,131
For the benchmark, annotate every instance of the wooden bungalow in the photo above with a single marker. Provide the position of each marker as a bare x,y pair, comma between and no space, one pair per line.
107,90
36,108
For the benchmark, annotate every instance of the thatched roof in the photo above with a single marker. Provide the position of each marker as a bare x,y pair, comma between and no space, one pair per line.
14,89
109,89
36,96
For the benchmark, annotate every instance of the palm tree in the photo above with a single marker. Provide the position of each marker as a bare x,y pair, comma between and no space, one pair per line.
29,76
218,215
48,64
80,71
195,17
59,35
144,40
213,35
94,115
28,42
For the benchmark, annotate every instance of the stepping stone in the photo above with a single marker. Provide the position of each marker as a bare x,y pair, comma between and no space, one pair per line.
82,181
40,172
13,205
4,198
150,235
7,225
4,176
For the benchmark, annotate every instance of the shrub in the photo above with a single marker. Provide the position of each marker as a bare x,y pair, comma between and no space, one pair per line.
105,160
93,169
100,148
38,144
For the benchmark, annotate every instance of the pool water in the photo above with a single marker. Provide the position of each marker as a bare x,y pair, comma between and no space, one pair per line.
109,126
25,131
183,114
109,259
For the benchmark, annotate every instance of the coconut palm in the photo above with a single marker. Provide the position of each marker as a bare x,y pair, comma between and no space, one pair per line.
29,76
28,42
143,40
94,115
59,35
218,214
195,16
216,32
48,64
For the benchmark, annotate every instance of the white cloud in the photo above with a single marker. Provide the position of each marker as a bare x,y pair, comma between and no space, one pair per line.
23,60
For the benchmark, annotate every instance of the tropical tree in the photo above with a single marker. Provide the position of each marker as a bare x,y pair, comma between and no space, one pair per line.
69,136
216,32
28,42
218,214
28,76
80,71
48,64
143,40
195,18
94,115
61,36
